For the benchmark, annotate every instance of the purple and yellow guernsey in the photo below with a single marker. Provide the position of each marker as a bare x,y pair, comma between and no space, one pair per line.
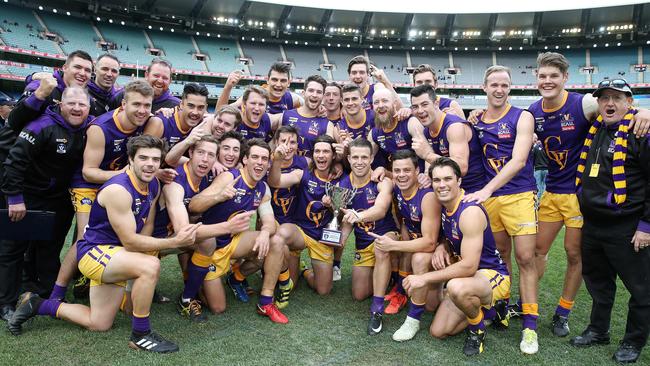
562,132
364,199
262,130
311,215
162,226
285,103
497,139
283,200
248,198
309,128
173,132
474,180
100,231
490,257
115,140
409,210
444,102
361,129
368,93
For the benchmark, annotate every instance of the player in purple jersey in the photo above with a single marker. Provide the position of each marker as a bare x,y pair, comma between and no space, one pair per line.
184,118
256,123
311,214
369,211
117,248
159,77
284,199
230,193
420,220
425,75
332,103
104,157
447,135
506,136
102,86
475,275
359,73
306,118
356,121
562,120
277,85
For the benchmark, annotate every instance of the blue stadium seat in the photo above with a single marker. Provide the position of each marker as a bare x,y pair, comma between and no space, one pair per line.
392,62
77,33
263,55
472,66
223,54
306,61
178,49
22,30
131,43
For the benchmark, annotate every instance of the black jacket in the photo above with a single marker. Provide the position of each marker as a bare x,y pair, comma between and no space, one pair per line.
596,196
43,158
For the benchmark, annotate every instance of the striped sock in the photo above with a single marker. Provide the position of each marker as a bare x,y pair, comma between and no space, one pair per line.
236,272
564,307
476,323
530,315
49,307
283,279
415,310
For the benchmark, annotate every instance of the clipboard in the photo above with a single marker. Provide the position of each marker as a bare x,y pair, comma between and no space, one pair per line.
36,225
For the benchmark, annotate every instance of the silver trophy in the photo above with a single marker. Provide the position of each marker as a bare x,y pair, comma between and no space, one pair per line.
340,198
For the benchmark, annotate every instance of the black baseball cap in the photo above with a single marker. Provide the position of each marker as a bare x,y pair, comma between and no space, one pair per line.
613,84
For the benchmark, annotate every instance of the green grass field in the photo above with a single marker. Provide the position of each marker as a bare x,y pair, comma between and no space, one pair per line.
322,330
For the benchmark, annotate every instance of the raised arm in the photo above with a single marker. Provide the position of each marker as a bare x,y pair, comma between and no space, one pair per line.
224,98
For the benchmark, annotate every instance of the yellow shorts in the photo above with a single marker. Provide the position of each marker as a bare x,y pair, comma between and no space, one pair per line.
317,250
83,198
514,213
500,284
365,257
221,259
94,262
555,207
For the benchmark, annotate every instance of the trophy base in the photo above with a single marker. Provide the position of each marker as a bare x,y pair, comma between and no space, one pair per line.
331,237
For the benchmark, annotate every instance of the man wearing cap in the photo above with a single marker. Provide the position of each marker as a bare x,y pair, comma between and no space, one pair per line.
613,181
6,105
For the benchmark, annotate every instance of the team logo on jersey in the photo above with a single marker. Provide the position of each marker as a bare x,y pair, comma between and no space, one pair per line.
443,148
174,140
366,226
539,124
60,148
371,196
314,212
28,137
313,128
239,195
415,215
283,203
312,187
86,201
117,145
567,123
496,163
558,156
257,199
293,121
400,141
504,131
137,206
454,230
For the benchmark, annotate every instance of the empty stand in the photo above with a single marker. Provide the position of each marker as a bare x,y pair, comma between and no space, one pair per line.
22,30
262,56
614,63
223,54
472,66
392,62
78,34
306,61
178,49
131,45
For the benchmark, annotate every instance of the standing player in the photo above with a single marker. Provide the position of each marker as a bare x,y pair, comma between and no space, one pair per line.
424,75
356,121
159,76
477,278
370,211
278,80
562,120
102,87
306,118
447,135
311,214
116,248
360,71
332,103
230,193
104,157
420,220
506,136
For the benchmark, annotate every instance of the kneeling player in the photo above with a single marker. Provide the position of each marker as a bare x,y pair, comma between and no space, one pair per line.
116,248
230,193
478,277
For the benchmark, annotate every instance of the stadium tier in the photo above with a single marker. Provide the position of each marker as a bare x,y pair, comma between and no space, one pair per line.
261,56
223,55
130,44
306,61
20,28
178,49
471,66
76,34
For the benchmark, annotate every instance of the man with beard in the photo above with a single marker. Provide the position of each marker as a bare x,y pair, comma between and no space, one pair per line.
424,75
102,88
306,118
311,215
159,76
506,136
104,157
234,192
117,248
36,176
43,88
